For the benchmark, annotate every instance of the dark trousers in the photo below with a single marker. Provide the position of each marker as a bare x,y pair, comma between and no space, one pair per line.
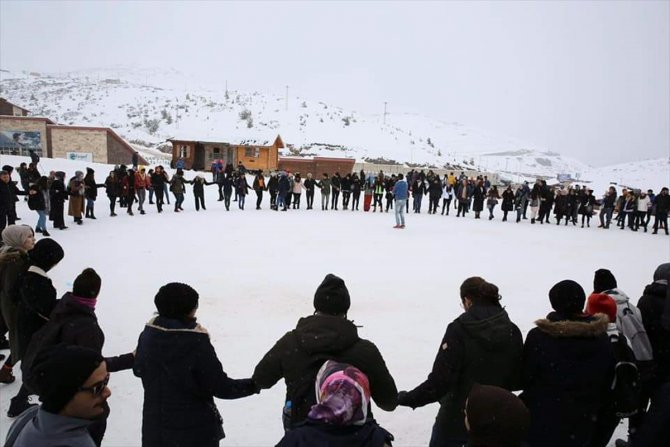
640,221
151,195
57,214
604,429
220,191
654,431
4,218
259,199
333,200
446,204
179,200
432,204
661,221
462,208
130,199
160,199
296,200
199,201
226,199
345,199
273,199
377,200
112,206
389,203
310,198
355,200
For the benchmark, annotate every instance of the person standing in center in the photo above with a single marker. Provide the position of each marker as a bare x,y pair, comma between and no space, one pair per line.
326,335
400,192
481,346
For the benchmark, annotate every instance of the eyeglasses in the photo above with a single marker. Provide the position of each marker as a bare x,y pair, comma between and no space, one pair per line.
97,388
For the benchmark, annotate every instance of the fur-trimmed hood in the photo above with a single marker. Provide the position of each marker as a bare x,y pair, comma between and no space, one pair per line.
585,328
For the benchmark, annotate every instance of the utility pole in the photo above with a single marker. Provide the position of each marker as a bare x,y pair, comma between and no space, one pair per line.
385,112
287,97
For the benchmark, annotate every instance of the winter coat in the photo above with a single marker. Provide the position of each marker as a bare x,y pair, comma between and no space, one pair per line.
178,185
77,324
336,183
37,300
300,353
36,201
586,205
128,186
273,184
478,198
643,204
90,187
284,185
418,188
435,190
651,307
57,192
464,193
297,186
199,184
561,207
346,183
662,203
309,183
317,434
181,374
400,190
112,186
142,181
158,180
568,369
259,183
242,186
325,185
76,191
507,200
13,266
481,346
46,429
6,201
609,199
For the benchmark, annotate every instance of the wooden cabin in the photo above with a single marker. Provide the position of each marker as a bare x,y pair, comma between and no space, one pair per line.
199,155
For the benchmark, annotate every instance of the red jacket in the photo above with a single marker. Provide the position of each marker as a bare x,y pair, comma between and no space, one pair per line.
142,183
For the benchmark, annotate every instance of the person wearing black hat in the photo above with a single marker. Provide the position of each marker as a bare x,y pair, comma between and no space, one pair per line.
72,384
482,346
74,322
37,298
181,374
495,417
568,367
326,335
58,195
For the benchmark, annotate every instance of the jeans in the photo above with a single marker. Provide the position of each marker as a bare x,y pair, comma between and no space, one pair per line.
151,195
400,211
141,197
606,213
240,201
324,201
166,193
336,196
159,199
310,198
281,203
42,220
179,199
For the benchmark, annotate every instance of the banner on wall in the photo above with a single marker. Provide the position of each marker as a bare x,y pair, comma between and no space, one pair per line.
21,140
79,156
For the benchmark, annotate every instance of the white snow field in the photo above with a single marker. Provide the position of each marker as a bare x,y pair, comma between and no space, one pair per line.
256,272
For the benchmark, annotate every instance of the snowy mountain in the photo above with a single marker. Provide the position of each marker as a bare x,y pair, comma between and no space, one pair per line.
148,106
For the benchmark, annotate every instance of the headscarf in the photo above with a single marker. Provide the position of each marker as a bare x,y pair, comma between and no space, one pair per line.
14,236
342,395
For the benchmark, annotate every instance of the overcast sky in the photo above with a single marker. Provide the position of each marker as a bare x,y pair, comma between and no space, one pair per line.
589,80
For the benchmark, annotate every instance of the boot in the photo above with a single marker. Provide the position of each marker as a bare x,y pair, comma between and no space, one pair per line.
18,406
6,375
45,233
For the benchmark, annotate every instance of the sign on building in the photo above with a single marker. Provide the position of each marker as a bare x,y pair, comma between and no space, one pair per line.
564,178
79,156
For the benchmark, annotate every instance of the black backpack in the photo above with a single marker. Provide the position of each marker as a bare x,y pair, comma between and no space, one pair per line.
626,384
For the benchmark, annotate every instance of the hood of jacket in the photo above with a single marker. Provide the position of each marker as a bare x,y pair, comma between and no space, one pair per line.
558,326
68,306
490,325
325,333
657,288
618,295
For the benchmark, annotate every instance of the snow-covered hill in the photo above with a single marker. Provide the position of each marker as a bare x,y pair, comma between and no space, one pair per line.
147,106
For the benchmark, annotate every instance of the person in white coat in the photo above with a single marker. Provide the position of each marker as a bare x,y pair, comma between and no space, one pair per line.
643,205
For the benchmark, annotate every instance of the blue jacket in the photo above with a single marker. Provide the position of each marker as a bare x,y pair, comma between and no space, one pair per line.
400,190
181,375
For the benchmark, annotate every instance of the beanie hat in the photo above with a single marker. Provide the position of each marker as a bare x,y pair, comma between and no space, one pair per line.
567,297
15,236
662,272
599,303
332,296
176,300
603,280
59,371
342,395
497,418
8,169
46,254
87,284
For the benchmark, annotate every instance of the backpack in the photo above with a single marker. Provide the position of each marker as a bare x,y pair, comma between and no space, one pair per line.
631,326
626,384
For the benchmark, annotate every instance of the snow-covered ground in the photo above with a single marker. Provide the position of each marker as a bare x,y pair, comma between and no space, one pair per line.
256,272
